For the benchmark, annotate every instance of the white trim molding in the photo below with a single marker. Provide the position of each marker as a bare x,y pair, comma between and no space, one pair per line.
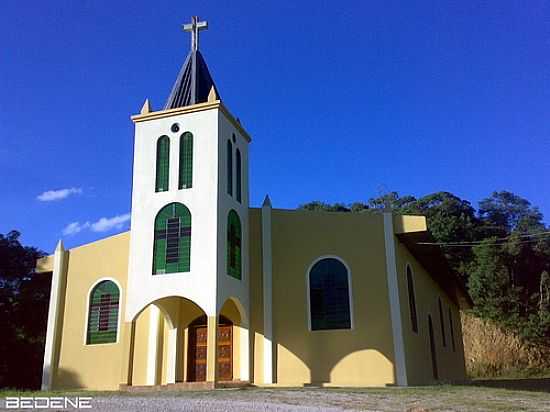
87,311
54,315
350,292
395,306
267,269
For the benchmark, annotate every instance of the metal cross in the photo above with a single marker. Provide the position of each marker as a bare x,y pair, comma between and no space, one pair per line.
194,27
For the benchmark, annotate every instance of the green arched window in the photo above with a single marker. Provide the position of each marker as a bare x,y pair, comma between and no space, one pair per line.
230,168
103,313
329,296
172,247
234,262
163,164
238,172
186,161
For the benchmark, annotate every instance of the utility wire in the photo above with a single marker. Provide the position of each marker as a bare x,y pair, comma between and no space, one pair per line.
498,241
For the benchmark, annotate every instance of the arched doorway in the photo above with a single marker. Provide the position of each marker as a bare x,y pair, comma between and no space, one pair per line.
197,349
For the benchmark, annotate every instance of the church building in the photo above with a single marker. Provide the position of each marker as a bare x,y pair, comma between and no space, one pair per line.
205,291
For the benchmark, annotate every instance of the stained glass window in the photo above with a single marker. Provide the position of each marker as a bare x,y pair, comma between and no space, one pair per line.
234,263
186,161
163,164
329,295
103,313
172,246
412,300
230,168
238,172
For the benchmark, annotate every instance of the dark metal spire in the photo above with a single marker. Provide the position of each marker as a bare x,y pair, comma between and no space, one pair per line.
194,81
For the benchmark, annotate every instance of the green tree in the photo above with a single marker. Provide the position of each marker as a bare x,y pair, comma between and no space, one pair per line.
24,300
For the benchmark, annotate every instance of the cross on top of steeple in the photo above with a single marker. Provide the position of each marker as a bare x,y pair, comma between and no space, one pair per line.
194,27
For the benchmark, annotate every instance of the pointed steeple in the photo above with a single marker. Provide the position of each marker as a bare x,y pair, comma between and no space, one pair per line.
194,83
267,201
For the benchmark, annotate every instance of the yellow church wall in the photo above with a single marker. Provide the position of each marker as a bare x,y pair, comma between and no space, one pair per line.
91,366
256,296
141,337
362,356
409,223
417,345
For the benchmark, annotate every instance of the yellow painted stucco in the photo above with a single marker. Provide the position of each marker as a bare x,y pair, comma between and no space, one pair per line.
359,357
81,365
362,356
417,345
408,223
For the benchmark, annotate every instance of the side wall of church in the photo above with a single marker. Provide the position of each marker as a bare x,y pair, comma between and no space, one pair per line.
91,366
450,363
360,356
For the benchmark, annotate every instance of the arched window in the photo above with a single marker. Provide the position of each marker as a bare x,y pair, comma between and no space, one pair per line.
103,313
239,177
442,322
412,300
163,164
452,330
230,168
186,161
234,262
329,295
172,247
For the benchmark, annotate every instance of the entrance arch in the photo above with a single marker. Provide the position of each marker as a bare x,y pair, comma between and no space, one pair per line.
238,336
157,354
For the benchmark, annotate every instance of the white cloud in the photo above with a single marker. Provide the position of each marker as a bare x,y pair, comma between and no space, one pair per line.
60,194
74,228
104,224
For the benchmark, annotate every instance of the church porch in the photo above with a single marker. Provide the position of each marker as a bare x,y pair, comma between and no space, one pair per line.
172,344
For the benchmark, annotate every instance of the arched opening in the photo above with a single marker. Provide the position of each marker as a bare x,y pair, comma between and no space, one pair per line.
172,340
433,352
159,353
233,344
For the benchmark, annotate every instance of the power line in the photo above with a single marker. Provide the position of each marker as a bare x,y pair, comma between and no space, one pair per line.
498,241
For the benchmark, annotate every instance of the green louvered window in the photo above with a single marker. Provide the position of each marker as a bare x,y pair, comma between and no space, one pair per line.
234,261
103,313
186,161
230,168
172,246
329,295
163,164
238,172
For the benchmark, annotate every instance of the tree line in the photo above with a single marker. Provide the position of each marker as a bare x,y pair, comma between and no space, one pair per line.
501,252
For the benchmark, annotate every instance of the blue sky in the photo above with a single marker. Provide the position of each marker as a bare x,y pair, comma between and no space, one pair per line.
343,100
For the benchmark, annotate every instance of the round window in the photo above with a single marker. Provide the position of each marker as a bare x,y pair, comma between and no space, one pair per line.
175,128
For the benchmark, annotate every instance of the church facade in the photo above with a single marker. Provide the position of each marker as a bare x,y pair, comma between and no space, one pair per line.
206,291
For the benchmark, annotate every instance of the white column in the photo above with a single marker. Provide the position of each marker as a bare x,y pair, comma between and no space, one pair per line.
267,290
54,315
245,354
395,306
171,352
152,345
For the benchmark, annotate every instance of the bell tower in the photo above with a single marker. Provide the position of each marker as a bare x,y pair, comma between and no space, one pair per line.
189,230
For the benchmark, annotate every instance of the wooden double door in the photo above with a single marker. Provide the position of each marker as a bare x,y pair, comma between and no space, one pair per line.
197,350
